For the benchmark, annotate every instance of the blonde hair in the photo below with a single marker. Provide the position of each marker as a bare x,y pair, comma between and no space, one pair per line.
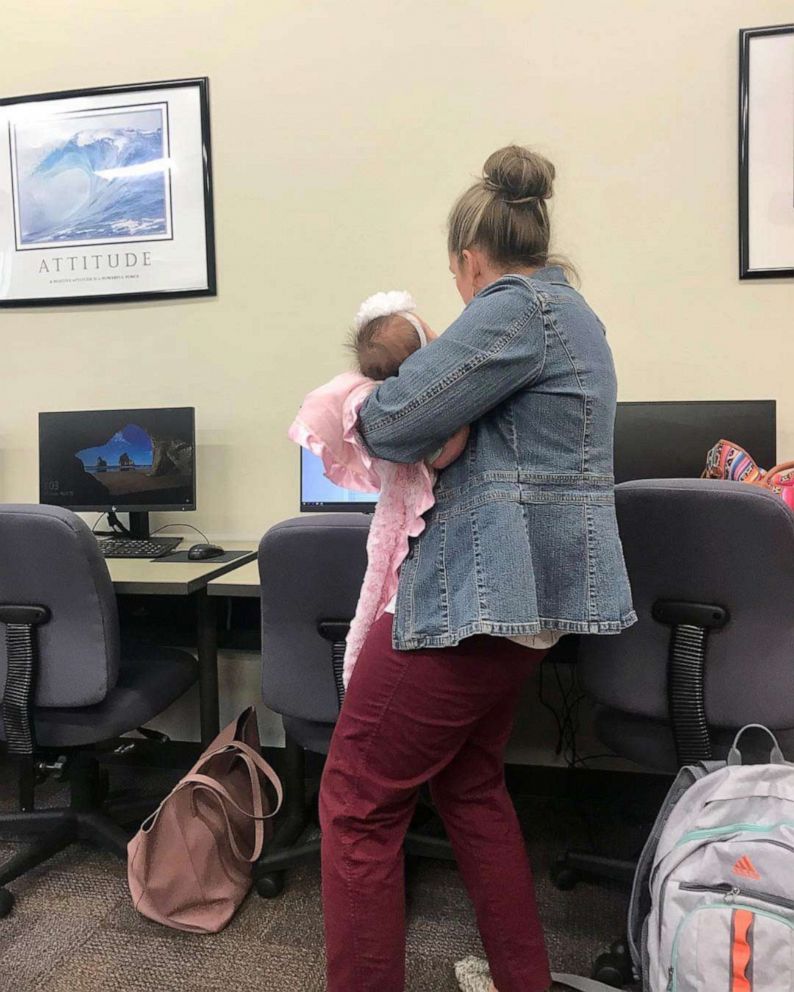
504,213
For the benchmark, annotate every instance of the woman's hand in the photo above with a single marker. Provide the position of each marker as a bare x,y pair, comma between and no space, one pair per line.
452,450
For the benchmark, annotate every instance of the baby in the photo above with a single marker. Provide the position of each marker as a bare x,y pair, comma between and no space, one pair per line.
385,332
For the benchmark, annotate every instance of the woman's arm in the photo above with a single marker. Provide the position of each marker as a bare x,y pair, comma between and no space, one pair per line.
494,348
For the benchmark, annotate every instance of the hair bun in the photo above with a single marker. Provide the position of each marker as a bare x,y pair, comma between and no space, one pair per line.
515,173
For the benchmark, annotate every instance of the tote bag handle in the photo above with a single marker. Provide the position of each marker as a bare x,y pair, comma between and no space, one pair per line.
253,761
213,788
200,782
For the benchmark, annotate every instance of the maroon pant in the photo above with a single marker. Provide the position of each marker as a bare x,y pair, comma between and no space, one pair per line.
442,715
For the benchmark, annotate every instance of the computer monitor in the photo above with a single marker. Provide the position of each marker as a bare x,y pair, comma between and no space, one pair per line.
131,461
670,439
667,439
319,495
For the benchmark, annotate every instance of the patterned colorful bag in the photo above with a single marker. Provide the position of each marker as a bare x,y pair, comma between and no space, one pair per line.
727,460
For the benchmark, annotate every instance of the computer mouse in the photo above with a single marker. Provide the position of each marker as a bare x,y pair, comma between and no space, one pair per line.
201,552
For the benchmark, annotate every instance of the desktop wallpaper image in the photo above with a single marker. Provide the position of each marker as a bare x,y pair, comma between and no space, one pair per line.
117,458
125,463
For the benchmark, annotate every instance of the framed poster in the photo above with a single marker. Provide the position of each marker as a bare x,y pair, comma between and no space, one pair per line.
766,152
106,195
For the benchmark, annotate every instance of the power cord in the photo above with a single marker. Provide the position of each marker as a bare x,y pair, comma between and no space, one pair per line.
567,717
572,697
547,705
113,532
164,527
189,526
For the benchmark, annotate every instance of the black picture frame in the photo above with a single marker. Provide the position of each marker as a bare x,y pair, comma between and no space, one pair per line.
746,38
201,83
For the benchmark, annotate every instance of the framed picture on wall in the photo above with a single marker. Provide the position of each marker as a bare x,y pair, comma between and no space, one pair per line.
766,152
106,195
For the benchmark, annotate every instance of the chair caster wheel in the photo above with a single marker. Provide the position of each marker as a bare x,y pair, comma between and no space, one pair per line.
6,902
563,876
270,886
612,969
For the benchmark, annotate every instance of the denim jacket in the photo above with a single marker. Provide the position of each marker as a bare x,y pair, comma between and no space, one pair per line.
523,536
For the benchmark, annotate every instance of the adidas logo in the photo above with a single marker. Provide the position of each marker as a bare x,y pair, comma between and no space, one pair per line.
746,868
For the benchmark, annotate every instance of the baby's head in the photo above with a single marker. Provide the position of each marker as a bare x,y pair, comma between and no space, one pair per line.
386,331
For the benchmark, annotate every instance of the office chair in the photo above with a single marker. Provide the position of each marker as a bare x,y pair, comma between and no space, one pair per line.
68,683
311,570
711,566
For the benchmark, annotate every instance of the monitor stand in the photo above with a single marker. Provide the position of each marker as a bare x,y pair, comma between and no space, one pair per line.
138,528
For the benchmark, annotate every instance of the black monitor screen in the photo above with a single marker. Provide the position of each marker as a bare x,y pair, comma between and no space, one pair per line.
118,459
670,439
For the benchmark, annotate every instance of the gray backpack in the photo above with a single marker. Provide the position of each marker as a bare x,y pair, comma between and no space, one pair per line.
712,907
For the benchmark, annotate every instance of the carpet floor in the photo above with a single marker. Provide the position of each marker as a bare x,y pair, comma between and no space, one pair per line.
73,928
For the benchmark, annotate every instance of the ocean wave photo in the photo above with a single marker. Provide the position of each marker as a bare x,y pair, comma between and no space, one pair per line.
93,178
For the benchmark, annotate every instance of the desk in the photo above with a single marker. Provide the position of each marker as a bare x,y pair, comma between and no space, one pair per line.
243,582
142,577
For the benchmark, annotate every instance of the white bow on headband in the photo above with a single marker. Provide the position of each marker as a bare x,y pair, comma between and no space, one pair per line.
395,301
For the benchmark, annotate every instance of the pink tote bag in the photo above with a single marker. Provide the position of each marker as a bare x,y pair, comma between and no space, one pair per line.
189,866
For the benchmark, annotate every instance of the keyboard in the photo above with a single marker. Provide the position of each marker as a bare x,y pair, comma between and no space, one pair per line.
129,547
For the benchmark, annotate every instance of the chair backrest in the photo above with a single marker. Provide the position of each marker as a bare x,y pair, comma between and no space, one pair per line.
711,542
311,569
48,557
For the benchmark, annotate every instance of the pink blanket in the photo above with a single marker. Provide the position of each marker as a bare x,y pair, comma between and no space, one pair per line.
326,425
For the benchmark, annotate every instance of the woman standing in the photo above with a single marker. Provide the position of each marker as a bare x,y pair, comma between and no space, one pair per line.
520,548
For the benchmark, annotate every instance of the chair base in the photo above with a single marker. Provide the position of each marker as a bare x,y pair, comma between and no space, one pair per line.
614,967
569,869
55,830
86,820
284,851
283,855
269,870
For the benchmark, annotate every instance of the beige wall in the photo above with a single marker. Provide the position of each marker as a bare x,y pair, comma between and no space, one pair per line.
341,133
